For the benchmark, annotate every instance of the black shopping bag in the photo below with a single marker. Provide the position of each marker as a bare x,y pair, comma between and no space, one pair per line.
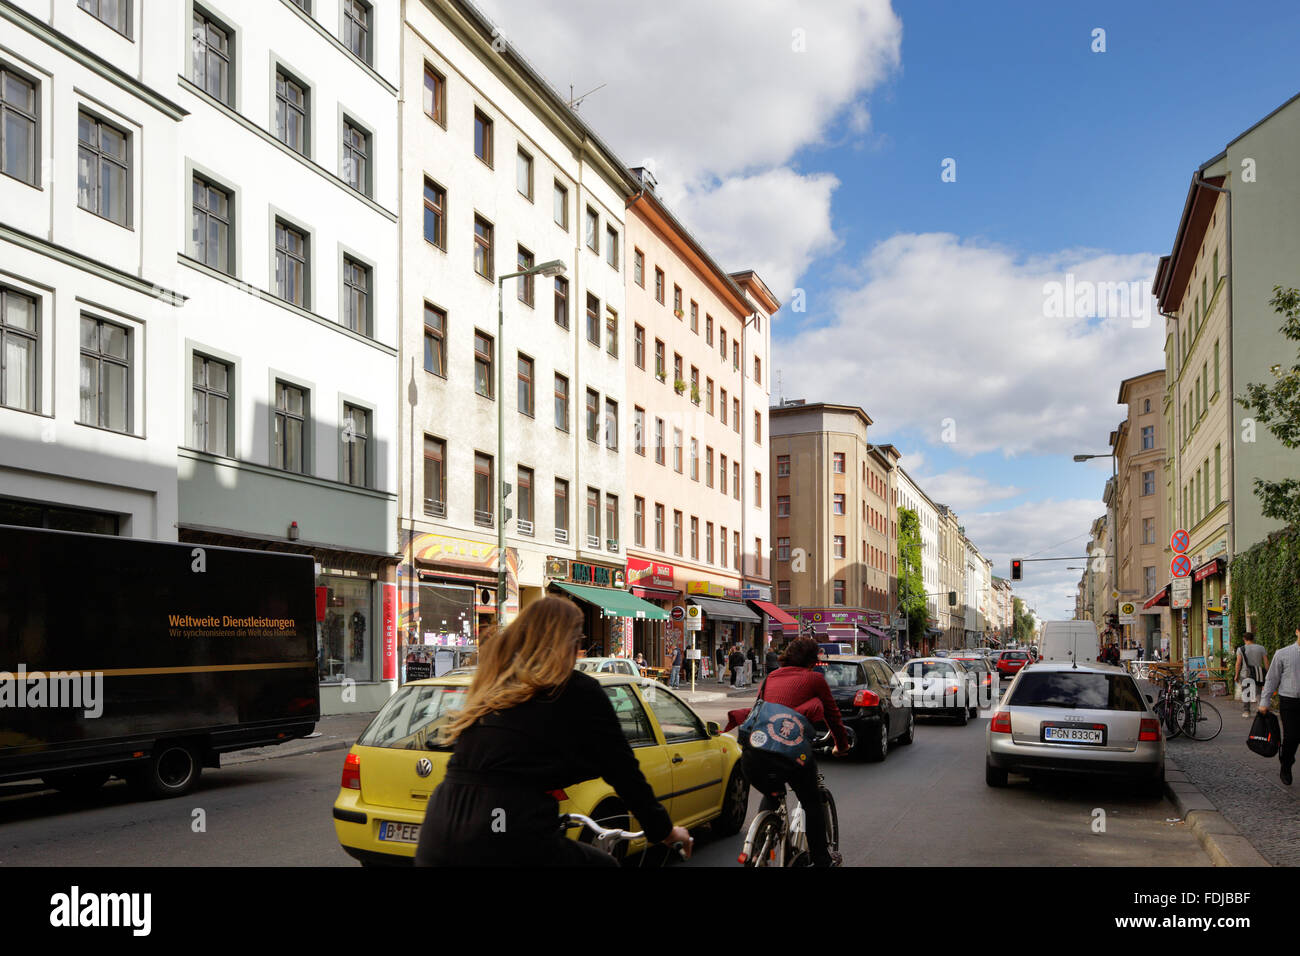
1265,735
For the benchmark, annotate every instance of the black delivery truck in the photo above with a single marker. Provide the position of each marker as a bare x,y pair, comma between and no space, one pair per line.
148,660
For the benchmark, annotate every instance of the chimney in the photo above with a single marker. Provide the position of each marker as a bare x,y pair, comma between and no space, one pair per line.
646,177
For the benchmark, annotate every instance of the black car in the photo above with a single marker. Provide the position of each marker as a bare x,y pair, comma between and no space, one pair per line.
874,714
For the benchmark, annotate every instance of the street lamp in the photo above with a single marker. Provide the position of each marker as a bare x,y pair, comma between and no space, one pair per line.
1114,532
553,268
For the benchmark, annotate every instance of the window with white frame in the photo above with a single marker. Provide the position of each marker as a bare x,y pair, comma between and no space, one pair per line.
289,438
356,295
105,375
103,169
210,57
210,234
210,405
355,435
356,28
19,350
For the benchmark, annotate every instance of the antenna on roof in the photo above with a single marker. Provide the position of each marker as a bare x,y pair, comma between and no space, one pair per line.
780,395
576,101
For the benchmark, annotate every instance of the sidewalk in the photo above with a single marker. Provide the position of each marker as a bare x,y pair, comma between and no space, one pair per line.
1242,787
332,733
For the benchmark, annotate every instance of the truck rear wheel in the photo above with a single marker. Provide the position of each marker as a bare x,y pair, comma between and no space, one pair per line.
173,770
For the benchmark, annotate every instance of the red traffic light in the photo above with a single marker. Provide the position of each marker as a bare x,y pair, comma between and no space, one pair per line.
1015,569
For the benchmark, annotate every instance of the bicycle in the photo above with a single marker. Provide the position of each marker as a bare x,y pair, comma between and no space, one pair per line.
608,839
1198,719
779,838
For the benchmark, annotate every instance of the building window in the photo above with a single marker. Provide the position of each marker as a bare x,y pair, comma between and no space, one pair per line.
211,57
839,504
356,157
695,459
593,230
524,495
210,226
356,296
525,283
482,137
659,527
560,204
290,113
291,261
112,13
735,549
677,533
783,506
611,332
708,541
611,521
735,415
356,28
593,416
483,358
695,538
735,354
677,450
561,509
708,329
289,443
638,267
611,424
593,320
722,474
19,339
638,522
722,405
839,593
210,405
18,148
722,343
695,317
1149,580
659,441
695,385
1218,474
677,369
735,480
708,466
661,372
1146,407
103,169
611,246
524,174
839,546
561,403
677,301
355,435
435,95
105,373
758,489
525,395
638,346
722,545
435,214
435,340
758,370
758,425
838,465
562,302
1148,530
1148,483
483,254
484,496
593,515
638,430
708,395
435,477
783,592
783,466
659,285
783,549
1148,437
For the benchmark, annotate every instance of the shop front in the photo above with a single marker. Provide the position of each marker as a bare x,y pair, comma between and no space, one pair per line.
609,612
653,582
728,621
1208,586
834,624
778,626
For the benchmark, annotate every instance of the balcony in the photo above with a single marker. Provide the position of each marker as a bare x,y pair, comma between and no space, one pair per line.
593,542
524,527
562,535
435,508
484,519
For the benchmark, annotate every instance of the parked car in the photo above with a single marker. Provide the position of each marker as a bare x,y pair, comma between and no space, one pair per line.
608,665
1009,663
875,715
1089,718
940,684
835,649
392,770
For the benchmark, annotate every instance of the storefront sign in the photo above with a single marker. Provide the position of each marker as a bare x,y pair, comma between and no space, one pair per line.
756,594
706,589
390,632
649,574
557,568
1180,593
1211,569
833,617
598,574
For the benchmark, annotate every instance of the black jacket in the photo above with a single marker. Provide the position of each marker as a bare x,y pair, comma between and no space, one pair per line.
495,805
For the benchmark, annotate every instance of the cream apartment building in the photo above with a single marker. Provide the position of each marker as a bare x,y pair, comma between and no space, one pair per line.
911,496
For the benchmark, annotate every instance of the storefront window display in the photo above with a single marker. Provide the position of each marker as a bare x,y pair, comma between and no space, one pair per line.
345,639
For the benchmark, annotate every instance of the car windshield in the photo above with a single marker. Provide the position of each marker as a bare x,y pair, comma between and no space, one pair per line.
932,669
413,715
841,674
1076,689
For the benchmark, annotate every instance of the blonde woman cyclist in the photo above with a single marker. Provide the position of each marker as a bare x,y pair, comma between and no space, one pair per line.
532,726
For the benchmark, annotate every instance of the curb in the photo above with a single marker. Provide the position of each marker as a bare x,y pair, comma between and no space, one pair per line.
282,750
1219,838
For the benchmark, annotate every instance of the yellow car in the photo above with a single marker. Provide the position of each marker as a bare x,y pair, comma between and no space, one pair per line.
391,771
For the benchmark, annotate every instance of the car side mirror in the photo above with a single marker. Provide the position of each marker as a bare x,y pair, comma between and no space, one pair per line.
713,728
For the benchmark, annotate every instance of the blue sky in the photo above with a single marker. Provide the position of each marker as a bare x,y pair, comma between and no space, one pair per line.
805,141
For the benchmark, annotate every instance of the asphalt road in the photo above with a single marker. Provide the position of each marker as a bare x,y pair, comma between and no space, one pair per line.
926,805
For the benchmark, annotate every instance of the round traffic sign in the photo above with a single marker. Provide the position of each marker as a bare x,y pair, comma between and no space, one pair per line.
678,612
1181,566
1179,541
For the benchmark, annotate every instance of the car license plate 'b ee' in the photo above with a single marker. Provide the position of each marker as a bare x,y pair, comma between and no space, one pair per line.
399,832
1074,734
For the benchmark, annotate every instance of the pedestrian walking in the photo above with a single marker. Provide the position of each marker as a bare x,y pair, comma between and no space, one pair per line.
737,661
674,680
772,662
1284,680
1252,664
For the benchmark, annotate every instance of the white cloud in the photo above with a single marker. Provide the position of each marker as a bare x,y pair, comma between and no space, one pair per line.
718,96
961,491
938,332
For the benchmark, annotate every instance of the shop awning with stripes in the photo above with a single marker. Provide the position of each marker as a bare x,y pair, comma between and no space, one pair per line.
1159,599
614,603
776,614
873,631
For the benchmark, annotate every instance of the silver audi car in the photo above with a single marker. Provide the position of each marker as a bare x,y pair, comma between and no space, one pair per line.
1093,718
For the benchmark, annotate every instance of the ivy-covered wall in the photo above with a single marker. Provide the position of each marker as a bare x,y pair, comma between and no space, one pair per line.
1266,581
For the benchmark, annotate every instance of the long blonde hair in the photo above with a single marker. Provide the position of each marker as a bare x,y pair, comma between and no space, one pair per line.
534,652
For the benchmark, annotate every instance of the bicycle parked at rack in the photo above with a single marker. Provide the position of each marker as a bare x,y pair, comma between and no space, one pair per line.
779,838
1181,710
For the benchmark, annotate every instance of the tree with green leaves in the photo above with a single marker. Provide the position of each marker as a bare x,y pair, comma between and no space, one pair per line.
1278,407
911,580
1022,623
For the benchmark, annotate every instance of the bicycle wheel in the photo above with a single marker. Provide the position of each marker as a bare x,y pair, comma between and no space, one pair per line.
832,821
767,843
1166,712
1202,720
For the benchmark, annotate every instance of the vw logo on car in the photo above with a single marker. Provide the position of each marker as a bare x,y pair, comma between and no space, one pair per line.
424,767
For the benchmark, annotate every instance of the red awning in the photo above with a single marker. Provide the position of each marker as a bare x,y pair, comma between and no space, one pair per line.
656,594
1208,569
1160,598
775,613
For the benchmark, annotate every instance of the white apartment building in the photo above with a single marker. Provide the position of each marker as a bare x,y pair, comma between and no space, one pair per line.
498,175
90,402
215,250
911,496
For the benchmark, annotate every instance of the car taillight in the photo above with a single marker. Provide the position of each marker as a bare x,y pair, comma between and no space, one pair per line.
1001,722
1150,729
866,698
559,795
351,772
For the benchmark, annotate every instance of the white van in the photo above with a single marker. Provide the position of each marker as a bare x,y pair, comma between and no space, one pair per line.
1070,641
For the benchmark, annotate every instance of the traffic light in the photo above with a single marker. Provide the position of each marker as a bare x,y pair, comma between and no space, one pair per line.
952,598
1015,569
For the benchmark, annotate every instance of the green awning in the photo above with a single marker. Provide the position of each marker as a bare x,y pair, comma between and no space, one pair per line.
614,603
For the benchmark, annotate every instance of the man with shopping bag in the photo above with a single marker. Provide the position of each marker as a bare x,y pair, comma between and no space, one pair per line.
1252,662
1284,680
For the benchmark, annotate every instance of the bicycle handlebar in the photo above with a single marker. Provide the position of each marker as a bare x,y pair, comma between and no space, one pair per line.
596,828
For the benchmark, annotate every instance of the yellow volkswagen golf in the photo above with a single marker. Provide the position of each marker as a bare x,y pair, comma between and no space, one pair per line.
395,765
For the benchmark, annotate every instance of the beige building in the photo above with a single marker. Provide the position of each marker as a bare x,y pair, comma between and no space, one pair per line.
1141,530
952,572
